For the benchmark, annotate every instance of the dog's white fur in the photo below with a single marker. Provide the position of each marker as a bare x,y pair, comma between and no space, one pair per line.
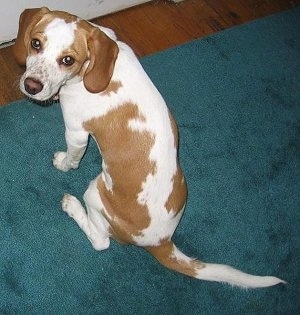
140,195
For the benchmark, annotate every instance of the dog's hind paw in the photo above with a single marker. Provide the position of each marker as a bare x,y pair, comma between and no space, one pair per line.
72,206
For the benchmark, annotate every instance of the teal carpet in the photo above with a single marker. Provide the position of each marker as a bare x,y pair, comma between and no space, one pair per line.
236,97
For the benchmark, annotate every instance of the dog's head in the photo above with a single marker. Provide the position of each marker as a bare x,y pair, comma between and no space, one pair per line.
55,47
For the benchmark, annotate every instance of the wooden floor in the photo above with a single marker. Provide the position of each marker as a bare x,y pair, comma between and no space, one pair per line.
158,25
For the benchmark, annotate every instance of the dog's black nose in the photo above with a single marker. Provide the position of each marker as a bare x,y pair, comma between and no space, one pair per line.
33,86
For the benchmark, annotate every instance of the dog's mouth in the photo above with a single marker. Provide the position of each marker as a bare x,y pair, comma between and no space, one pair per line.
45,102
55,97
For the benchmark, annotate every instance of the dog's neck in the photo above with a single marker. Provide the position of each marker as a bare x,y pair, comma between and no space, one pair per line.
77,79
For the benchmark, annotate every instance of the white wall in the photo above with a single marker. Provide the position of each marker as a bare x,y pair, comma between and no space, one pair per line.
10,11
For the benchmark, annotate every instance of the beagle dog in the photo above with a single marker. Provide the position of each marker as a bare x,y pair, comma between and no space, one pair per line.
139,196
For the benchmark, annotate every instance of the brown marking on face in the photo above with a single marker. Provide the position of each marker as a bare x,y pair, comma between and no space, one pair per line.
177,198
164,253
112,87
37,31
78,51
126,154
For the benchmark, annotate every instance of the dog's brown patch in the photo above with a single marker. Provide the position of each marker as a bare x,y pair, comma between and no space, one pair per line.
165,253
177,198
112,87
126,155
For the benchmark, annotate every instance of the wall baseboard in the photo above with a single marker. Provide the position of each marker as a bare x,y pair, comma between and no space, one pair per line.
7,43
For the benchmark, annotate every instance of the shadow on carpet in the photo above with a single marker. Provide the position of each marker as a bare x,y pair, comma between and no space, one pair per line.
235,96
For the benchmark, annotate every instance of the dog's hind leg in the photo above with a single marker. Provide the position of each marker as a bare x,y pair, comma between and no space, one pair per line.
91,221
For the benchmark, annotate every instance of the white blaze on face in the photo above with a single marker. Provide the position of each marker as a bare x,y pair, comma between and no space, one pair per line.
60,35
44,66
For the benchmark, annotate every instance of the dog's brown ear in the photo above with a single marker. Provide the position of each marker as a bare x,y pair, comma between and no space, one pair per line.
27,20
103,54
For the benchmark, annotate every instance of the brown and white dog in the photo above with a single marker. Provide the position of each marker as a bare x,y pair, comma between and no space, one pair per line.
103,90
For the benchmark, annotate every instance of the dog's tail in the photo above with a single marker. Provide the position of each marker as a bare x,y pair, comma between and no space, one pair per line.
171,257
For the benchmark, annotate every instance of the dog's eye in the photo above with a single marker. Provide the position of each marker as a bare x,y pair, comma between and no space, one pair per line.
36,44
67,61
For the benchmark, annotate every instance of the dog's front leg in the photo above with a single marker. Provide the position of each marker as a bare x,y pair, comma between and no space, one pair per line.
76,145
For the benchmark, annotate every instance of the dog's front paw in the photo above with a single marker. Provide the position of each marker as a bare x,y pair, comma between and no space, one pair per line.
61,162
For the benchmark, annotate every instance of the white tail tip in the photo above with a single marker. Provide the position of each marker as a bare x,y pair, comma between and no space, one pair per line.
227,274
